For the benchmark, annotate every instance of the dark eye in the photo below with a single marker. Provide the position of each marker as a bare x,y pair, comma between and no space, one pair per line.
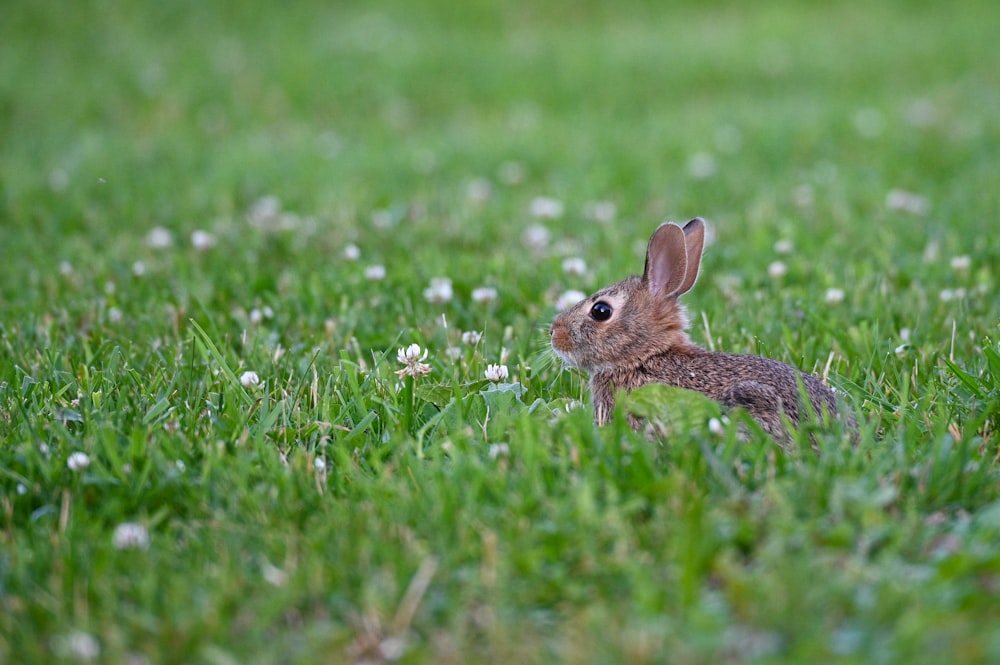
601,311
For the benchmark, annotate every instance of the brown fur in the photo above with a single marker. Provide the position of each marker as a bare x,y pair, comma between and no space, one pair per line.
645,342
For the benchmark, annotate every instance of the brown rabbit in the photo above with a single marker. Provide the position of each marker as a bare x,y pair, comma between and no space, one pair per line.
632,334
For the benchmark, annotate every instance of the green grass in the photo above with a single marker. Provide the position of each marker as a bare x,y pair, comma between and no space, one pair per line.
336,507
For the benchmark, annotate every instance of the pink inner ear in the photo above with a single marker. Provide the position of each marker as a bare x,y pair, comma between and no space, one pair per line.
666,260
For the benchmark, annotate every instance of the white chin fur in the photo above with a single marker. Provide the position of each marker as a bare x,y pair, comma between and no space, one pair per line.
566,358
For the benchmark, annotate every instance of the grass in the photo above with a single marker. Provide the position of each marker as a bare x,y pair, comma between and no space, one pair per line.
335,512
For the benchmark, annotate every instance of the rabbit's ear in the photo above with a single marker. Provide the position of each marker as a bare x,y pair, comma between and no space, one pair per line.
666,261
694,239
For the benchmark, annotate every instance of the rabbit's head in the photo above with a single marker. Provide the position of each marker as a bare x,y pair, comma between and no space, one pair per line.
625,323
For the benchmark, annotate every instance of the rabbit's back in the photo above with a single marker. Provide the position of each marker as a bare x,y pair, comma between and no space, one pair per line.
737,380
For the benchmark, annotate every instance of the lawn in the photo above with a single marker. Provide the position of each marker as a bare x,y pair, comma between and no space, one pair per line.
223,224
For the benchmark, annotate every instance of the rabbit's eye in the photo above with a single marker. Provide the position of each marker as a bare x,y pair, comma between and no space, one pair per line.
601,311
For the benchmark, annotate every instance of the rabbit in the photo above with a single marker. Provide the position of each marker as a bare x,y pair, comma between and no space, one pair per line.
632,333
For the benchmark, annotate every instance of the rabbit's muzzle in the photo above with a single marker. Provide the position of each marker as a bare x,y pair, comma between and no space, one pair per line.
562,342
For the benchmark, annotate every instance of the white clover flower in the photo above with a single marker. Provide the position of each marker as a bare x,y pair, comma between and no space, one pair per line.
202,240
391,649
439,291
65,268
138,268
478,190
921,113
375,272
159,238
79,645
574,265
546,207
471,337
961,263
115,315
568,299
78,461
600,211
58,180
834,296
21,489
249,379
484,294
499,450
903,201
265,215
777,269
319,464
953,294
784,246
702,165
453,352
511,173
130,536
273,575
804,196
715,427
352,252
536,236
868,122
497,373
382,219
265,212
289,221
409,354
904,334
412,357
258,314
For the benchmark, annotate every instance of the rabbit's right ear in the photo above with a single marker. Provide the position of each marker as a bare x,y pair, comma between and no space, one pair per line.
694,240
666,261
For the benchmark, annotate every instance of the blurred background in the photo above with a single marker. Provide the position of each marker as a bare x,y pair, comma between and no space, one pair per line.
861,136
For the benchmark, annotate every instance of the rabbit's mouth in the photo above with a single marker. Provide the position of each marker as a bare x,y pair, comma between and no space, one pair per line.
570,350
565,357
562,346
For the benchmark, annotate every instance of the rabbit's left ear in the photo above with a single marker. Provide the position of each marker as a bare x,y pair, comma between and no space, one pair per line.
666,261
694,240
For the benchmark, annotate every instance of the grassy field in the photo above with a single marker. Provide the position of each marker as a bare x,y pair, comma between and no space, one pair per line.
221,221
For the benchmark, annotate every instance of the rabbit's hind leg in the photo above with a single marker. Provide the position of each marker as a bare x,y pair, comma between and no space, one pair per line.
762,402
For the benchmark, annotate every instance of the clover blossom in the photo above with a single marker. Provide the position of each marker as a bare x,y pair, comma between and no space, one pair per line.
413,359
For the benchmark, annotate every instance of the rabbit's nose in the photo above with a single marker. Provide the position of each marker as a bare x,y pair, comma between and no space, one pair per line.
559,336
